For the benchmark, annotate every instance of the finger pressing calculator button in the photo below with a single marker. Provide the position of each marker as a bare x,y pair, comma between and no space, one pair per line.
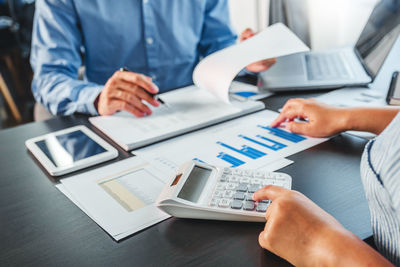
224,203
239,195
262,207
241,188
254,188
236,204
248,205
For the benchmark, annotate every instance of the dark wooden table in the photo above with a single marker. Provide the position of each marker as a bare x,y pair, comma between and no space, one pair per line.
39,226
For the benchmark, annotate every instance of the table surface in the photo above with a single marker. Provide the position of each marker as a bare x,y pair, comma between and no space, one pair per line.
40,226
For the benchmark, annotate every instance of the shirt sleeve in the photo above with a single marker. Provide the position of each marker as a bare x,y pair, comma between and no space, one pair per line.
56,58
217,32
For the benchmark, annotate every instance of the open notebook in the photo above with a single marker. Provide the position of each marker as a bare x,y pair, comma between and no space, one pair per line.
191,108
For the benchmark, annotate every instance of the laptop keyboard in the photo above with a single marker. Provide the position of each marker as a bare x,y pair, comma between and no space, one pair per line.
325,66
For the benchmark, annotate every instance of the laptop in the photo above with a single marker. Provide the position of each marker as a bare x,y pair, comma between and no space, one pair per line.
346,66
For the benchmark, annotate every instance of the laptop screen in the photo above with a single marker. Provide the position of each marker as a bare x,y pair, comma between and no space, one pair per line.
379,35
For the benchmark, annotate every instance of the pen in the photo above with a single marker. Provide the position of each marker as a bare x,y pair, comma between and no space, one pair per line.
153,95
392,86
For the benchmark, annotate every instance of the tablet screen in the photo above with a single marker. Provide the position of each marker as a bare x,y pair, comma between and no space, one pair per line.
66,149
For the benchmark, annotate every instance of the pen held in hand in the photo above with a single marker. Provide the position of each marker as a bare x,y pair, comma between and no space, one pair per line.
155,96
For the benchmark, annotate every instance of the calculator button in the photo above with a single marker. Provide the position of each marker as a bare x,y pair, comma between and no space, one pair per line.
248,205
239,195
262,207
218,193
220,186
233,179
248,173
266,182
237,172
245,180
280,176
265,201
270,181
259,174
231,186
269,175
241,187
236,204
249,197
213,202
254,188
279,183
224,203
227,171
223,178
229,194
255,181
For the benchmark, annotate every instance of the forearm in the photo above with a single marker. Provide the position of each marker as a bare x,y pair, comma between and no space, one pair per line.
373,120
342,248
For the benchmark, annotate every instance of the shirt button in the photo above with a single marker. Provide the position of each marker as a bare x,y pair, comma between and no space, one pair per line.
149,40
154,77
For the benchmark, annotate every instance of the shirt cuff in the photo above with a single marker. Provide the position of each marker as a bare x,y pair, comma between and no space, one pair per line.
88,96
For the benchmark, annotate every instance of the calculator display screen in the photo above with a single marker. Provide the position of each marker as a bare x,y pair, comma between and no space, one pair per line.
194,184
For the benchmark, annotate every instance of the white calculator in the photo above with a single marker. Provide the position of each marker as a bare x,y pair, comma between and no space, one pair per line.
202,191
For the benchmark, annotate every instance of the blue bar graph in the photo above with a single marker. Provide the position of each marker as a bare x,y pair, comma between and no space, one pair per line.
271,144
292,137
231,160
245,150
199,160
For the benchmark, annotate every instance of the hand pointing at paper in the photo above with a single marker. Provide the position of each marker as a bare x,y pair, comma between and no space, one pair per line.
259,66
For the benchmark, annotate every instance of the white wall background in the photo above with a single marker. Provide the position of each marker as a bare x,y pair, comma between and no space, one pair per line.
333,23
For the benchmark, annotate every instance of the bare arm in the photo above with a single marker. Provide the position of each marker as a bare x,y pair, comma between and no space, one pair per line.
324,120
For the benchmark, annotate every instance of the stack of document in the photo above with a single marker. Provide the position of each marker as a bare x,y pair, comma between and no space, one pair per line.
207,102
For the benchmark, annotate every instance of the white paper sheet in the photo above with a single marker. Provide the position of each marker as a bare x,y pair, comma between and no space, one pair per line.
239,143
188,109
216,72
354,97
119,197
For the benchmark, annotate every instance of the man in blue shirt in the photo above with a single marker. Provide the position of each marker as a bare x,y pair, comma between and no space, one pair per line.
160,41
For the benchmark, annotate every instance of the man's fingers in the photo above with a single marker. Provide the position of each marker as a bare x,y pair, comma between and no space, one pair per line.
138,79
117,105
148,98
132,99
269,192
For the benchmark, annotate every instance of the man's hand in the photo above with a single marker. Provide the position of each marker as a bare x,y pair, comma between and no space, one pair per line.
305,235
126,91
259,66
322,120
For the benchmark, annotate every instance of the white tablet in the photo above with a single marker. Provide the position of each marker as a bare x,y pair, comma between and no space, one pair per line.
69,150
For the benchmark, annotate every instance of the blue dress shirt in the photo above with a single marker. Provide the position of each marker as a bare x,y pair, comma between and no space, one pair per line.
163,39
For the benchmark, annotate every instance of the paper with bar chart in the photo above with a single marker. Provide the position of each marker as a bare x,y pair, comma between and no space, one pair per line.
247,142
119,197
